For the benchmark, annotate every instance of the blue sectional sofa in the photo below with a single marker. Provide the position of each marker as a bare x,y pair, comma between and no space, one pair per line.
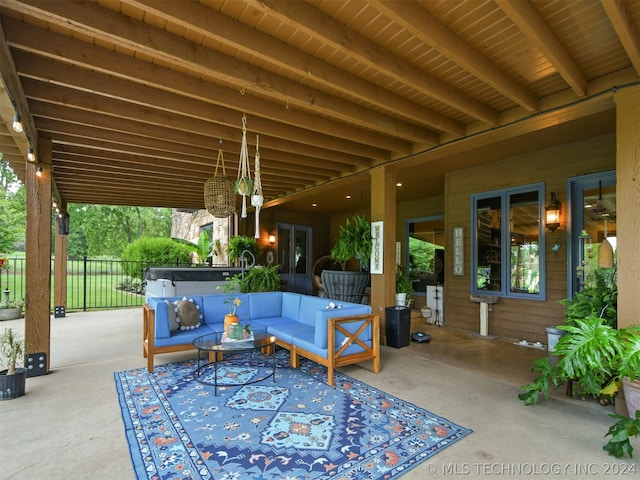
305,325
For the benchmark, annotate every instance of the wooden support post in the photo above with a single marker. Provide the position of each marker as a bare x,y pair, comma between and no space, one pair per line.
38,253
383,208
628,203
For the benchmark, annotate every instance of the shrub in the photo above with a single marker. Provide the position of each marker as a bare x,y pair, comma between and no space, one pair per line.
153,252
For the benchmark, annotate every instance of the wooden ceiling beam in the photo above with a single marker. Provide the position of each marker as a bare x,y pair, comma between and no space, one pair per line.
113,66
529,21
163,110
314,23
625,29
92,19
291,170
419,22
138,133
213,25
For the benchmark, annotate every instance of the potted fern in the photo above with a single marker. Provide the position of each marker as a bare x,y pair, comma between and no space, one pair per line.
261,279
354,243
240,244
13,379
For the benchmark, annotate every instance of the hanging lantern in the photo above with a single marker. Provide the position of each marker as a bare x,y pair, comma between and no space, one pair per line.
605,253
257,199
219,198
244,185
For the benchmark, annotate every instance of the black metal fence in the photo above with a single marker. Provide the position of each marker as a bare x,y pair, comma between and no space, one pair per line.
91,283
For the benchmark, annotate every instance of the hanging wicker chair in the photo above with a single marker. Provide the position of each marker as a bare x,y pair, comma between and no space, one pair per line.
219,196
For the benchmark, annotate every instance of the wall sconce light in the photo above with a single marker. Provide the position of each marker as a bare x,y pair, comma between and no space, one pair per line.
31,154
39,171
552,220
17,124
272,239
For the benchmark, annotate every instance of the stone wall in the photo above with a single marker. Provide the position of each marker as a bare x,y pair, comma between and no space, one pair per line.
187,225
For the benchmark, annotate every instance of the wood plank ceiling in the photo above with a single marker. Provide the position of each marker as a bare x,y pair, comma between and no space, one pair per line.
136,95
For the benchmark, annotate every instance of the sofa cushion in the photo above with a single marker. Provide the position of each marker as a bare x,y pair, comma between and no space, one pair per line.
183,337
322,322
309,306
285,329
214,308
172,322
290,305
188,314
265,305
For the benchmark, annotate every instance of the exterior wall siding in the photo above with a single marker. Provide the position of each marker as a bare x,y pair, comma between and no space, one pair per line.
515,318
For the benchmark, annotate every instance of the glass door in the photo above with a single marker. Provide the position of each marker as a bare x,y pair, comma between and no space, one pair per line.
593,220
294,257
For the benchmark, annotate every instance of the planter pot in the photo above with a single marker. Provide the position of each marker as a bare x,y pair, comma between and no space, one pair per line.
10,313
398,326
401,299
346,286
631,392
553,337
12,386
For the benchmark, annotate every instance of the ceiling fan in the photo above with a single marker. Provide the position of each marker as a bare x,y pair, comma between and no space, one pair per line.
602,207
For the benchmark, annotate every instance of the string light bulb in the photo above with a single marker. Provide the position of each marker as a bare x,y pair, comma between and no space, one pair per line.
39,171
17,124
31,154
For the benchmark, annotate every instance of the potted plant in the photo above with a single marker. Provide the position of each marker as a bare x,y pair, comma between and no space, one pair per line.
239,244
12,351
11,309
404,288
597,357
231,289
261,279
598,298
354,241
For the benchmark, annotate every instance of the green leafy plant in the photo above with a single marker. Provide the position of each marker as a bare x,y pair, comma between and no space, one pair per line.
354,241
153,252
597,357
403,284
204,248
239,244
621,432
12,304
12,350
261,279
598,298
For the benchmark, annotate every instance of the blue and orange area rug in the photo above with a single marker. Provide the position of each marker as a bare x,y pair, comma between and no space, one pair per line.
296,427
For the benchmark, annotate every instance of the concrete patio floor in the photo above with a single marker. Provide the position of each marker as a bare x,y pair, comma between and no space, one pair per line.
68,425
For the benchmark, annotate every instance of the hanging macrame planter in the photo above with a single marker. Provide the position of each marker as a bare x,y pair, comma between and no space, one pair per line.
219,198
244,185
257,199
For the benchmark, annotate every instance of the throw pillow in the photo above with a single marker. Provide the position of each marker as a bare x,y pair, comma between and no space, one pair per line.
171,314
188,314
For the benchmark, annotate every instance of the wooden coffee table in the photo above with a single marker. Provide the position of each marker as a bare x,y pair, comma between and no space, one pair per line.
224,353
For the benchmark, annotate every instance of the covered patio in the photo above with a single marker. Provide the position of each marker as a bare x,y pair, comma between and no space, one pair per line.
69,422
126,103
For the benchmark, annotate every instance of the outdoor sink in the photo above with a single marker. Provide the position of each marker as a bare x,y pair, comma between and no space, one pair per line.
490,299
485,302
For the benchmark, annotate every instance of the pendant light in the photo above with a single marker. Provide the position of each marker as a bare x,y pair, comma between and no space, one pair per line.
605,254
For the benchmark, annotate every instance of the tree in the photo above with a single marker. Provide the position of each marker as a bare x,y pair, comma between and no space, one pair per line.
12,209
98,230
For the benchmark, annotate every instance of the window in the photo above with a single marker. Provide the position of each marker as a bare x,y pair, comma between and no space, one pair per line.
506,247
